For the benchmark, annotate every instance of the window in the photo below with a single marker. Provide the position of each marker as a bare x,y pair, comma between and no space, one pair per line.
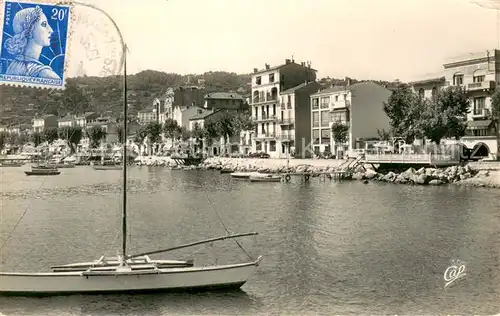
272,145
325,118
345,96
325,136
336,117
258,80
480,132
316,119
336,98
478,78
316,136
315,103
434,92
458,79
479,105
325,102
271,77
289,102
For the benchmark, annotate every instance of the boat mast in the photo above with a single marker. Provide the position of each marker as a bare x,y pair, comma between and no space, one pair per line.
124,156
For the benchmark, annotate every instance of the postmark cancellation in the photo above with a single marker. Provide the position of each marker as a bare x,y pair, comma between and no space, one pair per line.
34,42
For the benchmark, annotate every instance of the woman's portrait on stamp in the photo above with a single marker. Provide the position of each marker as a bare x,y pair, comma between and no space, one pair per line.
34,45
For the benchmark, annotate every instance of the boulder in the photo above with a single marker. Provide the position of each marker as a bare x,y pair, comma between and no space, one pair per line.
370,174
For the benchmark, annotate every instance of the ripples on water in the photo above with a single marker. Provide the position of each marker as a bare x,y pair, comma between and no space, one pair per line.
329,248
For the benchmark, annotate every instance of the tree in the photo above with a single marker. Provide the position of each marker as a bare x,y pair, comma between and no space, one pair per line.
119,133
72,136
170,128
3,139
36,138
95,134
153,131
244,122
495,115
227,126
340,132
13,139
383,135
210,132
198,135
445,115
50,135
185,134
404,108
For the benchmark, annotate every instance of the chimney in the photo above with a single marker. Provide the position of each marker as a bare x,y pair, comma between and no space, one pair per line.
303,64
267,66
287,61
347,81
255,70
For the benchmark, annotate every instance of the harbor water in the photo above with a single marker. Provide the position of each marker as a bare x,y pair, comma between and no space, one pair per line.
328,248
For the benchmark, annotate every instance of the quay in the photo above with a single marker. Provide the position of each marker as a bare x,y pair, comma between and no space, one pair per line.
398,161
305,176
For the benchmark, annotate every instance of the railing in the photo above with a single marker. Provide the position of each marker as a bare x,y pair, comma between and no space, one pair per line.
266,118
339,105
286,121
265,135
286,136
264,100
484,85
433,159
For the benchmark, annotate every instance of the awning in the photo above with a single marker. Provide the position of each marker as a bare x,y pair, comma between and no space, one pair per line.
481,124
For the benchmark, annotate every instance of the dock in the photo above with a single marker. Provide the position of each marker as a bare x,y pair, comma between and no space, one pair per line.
409,160
323,176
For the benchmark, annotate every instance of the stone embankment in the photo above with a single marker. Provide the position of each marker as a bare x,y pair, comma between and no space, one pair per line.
468,175
481,174
272,165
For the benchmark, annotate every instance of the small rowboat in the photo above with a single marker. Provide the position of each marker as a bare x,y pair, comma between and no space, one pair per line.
265,178
242,175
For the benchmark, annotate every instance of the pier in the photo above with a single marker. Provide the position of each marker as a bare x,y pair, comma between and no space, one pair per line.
385,161
323,176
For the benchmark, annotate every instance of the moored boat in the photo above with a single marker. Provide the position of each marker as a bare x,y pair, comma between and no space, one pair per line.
43,172
131,272
265,178
242,175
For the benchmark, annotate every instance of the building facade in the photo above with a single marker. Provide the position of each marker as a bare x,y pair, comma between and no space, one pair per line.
294,119
479,74
359,106
266,87
45,122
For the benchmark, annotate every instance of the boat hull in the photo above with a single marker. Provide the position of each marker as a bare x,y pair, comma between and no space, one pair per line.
265,179
170,279
242,175
47,173
107,167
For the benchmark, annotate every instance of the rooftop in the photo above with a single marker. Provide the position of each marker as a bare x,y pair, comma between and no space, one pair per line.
204,114
298,87
287,62
224,95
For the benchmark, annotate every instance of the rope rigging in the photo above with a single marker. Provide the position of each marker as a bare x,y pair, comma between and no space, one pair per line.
225,228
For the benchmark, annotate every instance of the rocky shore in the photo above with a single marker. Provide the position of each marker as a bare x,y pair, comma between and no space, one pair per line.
271,165
474,174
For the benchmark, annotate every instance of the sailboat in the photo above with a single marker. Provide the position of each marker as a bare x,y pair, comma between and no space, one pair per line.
131,272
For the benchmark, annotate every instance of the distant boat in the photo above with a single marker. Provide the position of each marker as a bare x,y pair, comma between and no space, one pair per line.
43,171
265,178
11,164
242,175
111,165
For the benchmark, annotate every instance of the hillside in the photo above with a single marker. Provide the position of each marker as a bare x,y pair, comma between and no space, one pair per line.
100,94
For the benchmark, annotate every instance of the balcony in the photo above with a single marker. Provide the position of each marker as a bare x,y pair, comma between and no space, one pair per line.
340,105
268,99
265,136
347,123
481,113
480,86
265,118
286,137
286,121
285,105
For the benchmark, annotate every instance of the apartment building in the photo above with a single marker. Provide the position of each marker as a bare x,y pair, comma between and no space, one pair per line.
266,87
479,73
359,106
294,119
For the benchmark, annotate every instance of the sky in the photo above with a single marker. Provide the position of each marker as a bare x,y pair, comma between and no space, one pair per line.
362,39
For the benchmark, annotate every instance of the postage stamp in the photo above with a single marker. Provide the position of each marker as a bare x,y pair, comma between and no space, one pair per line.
34,41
